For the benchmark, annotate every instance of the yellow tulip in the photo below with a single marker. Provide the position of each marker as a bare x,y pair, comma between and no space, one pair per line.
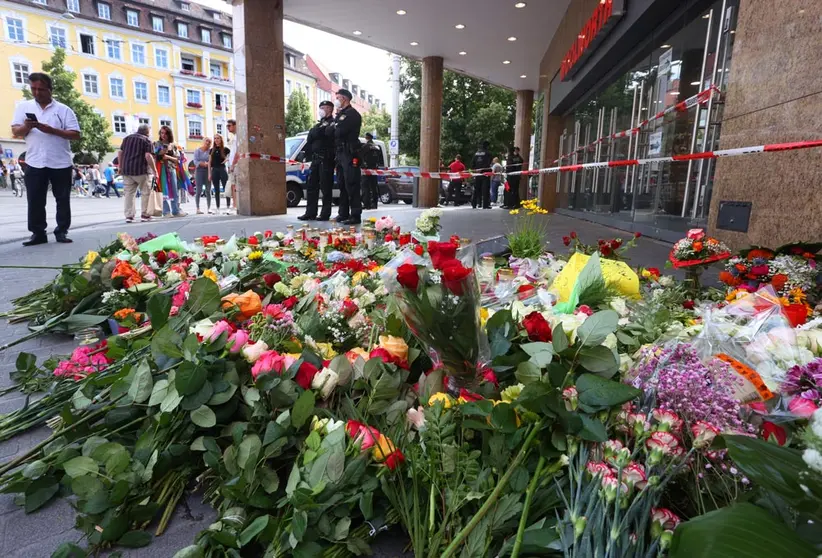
446,400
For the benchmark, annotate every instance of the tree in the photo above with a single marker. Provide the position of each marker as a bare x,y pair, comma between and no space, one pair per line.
95,133
298,114
473,111
378,122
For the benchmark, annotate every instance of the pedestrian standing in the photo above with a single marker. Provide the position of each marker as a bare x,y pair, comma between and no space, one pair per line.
48,126
78,182
218,174
96,188
319,149
201,166
230,188
346,130
167,157
455,184
371,158
109,176
513,164
496,179
137,166
17,178
482,184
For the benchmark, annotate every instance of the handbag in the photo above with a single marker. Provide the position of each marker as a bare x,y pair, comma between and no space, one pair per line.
155,199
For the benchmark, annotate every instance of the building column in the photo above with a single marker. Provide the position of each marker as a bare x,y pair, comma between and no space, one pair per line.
522,134
430,128
551,133
259,82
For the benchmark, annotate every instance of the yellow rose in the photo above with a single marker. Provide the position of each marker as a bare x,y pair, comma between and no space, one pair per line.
382,449
396,346
359,276
210,274
483,316
443,398
90,257
326,350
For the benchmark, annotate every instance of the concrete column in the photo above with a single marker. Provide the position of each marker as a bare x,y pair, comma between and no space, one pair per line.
259,83
522,134
430,128
551,132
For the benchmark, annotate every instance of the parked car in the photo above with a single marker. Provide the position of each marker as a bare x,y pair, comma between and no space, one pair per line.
401,188
297,175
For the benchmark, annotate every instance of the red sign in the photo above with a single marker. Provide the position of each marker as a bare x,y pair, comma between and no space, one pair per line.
606,14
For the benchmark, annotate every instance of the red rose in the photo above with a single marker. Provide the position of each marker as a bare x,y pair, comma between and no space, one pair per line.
654,271
290,302
688,305
616,243
442,252
253,240
537,327
305,374
387,357
349,308
637,235
573,234
408,277
294,269
605,250
394,460
271,279
388,238
268,234
566,240
453,275
418,249
161,257
469,395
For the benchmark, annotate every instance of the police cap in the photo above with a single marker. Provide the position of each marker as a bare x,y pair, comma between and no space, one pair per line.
345,93
326,104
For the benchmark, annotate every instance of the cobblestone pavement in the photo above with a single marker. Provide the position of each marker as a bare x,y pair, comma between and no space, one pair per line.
38,534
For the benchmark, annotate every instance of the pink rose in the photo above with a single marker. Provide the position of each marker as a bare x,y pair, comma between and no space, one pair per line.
269,361
219,328
696,234
237,340
802,407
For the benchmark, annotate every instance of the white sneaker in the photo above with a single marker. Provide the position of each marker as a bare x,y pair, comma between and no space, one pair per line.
211,212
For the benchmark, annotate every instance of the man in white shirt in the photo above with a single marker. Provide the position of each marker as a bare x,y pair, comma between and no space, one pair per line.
49,127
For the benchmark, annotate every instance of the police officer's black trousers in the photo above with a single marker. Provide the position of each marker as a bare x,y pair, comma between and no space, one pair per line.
370,192
482,191
320,179
512,194
348,181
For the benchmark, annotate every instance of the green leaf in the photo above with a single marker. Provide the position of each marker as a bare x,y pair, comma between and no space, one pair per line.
142,383
86,487
599,359
158,308
298,524
592,430
118,462
69,550
598,392
115,528
135,539
559,339
190,347
223,396
596,328
255,528
79,466
158,393
191,551
341,528
739,531
35,469
269,480
80,401
204,297
273,431
171,400
293,480
190,377
248,451
504,418
166,342
527,373
191,402
303,408
336,466
519,479
203,417
40,492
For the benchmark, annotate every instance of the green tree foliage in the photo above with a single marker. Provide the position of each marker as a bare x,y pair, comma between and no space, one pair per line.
95,139
298,116
378,122
472,111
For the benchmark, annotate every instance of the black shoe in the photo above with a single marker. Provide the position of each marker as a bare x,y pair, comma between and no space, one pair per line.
353,221
63,239
340,219
35,240
306,218
323,218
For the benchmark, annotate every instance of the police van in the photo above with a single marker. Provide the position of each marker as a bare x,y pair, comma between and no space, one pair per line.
297,174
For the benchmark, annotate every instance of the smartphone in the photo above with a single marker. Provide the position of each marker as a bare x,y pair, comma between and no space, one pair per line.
31,116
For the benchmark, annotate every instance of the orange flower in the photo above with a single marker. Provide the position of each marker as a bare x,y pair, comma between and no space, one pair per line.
728,278
248,303
698,246
760,253
124,313
779,281
129,274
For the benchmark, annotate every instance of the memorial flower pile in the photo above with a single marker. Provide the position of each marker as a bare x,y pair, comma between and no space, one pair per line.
313,386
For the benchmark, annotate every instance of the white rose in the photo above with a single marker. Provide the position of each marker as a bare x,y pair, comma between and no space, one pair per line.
813,458
173,277
252,352
325,381
619,306
202,328
666,280
341,292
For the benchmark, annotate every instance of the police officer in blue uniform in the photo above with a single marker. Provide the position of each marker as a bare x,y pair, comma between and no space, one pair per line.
482,184
346,132
319,149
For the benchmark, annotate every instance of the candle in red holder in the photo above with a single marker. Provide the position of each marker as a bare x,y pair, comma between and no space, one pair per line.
405,238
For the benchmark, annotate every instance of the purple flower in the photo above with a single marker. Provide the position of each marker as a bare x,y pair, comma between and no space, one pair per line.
805,380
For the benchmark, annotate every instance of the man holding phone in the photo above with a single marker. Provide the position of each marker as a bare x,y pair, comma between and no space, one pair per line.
49,127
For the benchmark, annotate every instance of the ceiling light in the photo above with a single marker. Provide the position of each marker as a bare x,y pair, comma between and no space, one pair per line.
459,26
358,32
506,61
401,12
512,39
519,5
523,76
414,43
696,83
463,53
732,32
665,46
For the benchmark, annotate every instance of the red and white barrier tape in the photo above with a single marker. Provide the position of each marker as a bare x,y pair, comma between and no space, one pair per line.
274,158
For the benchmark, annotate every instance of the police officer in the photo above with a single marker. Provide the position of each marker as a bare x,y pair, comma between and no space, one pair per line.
346,132
371,158
319,149
482,184
513,164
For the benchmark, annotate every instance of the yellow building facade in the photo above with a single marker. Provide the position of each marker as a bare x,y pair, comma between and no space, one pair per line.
160,62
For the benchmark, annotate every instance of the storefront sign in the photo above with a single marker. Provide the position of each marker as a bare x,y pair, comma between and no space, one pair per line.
605,16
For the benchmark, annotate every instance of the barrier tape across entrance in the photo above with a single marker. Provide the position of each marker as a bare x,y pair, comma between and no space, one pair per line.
734,152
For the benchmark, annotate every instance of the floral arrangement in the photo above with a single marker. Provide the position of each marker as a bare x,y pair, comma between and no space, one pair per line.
385,224
697,249
527,240
613,249
428,223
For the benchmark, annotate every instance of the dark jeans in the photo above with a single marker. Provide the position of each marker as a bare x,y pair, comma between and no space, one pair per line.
454,189
110,186
482,192
370,192
37,188
219,179
203,187
512,195
348,181
320,179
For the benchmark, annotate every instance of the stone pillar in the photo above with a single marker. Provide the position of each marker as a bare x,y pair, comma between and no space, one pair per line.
259,83
551,132
522,134
430,127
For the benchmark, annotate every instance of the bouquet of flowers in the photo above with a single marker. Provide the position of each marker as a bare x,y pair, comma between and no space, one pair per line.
440,301
696,249
428,225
